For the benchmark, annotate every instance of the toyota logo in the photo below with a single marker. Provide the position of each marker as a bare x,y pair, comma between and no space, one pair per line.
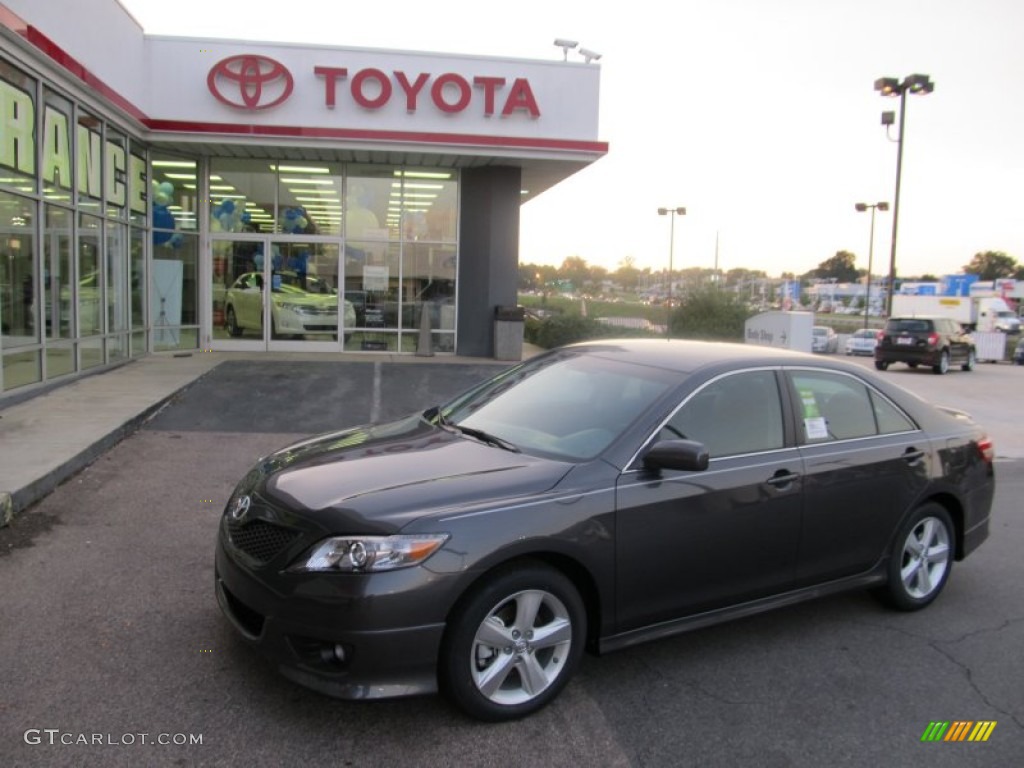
241,508
250,81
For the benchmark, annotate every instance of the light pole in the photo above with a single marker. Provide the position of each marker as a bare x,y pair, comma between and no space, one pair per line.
881,206
891,86
671,213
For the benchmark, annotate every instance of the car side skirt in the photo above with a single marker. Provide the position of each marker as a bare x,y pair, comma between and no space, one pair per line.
877,575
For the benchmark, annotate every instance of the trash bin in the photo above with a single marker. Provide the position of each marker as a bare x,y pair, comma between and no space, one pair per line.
508,333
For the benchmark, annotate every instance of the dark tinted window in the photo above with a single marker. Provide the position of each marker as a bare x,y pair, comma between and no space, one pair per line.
909,325
833,407
837,407
736,414
889,418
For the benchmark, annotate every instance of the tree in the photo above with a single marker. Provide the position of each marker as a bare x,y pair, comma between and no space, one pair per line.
992,265
627,274
708,313
575,269
841,267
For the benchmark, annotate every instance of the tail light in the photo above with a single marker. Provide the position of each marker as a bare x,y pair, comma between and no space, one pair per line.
987,449
933,339
879,336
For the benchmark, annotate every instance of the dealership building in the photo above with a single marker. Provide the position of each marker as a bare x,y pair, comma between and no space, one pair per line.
170,193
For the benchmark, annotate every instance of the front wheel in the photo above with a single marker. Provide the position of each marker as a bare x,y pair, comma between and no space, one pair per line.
234,329
881,365
943,364
921,559
513,644
972,360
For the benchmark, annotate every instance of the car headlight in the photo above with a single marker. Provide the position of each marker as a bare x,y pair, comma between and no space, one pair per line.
366,554
291,307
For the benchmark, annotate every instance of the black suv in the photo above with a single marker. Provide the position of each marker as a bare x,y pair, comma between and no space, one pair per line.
937,342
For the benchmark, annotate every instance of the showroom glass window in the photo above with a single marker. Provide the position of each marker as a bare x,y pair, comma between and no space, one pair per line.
71,184
174,200
58,290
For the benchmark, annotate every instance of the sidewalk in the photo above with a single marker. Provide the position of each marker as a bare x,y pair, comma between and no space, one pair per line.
47,438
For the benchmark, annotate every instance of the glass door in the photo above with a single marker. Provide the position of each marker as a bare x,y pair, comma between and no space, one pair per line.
306,308
277,294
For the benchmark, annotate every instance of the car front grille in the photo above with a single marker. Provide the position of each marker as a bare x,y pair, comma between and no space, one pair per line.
260,540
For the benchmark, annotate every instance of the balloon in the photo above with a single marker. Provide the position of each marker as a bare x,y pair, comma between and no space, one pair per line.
162,217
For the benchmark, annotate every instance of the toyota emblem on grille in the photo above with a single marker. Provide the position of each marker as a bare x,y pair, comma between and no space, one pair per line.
250,82
241,508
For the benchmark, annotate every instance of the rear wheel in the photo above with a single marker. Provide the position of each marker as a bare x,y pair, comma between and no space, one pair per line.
512,646
921,559
971,361
943,364
881,365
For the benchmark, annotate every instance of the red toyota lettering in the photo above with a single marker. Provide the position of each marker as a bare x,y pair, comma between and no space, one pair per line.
490,86
331,76
359,94
412,90
437,92
521,97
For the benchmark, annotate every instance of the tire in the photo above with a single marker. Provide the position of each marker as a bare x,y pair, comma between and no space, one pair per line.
943,365
513,643
921,559
881,365
972,360
232,323
912,365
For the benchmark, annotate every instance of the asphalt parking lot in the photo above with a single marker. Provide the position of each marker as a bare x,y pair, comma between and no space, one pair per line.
111,630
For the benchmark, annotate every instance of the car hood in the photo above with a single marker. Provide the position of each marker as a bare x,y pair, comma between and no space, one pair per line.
378,479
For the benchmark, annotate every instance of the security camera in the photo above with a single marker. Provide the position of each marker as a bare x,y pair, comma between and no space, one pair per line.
589,55
566,46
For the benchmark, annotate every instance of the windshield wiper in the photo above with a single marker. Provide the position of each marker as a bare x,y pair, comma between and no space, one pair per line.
436,416
485,437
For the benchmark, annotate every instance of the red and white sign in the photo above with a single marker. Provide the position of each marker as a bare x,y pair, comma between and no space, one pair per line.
250,81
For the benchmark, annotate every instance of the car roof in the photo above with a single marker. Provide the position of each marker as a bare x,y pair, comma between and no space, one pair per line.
687,356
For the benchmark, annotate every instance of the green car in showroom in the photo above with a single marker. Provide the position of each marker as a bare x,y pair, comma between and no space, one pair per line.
301,305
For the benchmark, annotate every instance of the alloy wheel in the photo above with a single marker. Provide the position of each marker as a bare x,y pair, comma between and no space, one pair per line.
925,558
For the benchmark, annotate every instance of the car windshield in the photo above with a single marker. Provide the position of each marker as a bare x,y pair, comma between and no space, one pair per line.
567,406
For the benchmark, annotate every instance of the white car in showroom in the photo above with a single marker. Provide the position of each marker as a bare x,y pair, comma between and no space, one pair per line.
300,305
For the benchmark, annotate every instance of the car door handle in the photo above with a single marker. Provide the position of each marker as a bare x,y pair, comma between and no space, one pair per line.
912,455
782,478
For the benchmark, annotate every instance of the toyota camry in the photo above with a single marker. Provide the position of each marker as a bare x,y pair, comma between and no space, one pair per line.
591,498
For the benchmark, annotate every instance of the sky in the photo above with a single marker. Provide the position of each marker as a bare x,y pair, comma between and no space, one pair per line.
757,116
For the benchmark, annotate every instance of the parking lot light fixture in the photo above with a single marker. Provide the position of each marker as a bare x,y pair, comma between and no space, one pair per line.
671,213
881,206
891,86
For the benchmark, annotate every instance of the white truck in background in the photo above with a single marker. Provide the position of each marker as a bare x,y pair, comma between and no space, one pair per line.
985,314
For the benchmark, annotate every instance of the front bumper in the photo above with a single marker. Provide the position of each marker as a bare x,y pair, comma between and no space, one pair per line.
298,620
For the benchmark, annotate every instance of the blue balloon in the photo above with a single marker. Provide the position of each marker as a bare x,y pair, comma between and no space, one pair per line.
162,217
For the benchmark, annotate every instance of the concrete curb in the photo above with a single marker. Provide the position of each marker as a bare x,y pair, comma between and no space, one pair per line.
15,501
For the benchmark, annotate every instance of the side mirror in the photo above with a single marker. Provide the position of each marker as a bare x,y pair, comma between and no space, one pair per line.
683,455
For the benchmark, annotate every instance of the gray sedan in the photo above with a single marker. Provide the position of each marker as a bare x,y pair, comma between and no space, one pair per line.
594,497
